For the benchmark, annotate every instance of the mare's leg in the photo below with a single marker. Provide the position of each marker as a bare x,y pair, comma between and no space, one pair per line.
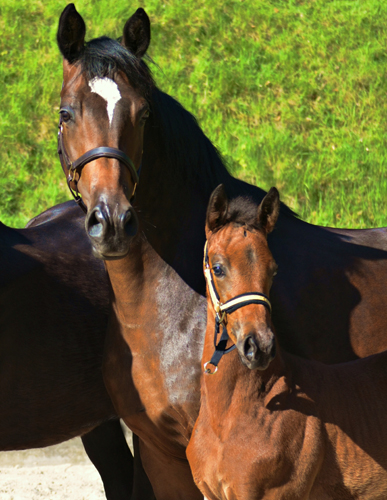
142,487
108,450
123,477
171,477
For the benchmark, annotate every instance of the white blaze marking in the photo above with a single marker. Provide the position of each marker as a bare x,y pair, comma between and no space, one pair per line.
108,90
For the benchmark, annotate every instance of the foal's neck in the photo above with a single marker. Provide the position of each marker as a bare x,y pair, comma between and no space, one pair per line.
234,383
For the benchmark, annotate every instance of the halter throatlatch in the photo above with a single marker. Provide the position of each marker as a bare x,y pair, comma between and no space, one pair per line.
70,168
222,309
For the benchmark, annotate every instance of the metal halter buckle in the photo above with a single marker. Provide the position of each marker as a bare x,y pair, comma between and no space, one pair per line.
207,371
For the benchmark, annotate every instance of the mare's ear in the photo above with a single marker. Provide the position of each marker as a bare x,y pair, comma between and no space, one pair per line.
136,35
217,208
71,33
268,210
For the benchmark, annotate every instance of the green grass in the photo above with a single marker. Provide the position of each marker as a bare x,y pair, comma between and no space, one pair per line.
294,94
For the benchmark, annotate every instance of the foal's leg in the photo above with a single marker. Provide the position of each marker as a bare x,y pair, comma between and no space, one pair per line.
108,450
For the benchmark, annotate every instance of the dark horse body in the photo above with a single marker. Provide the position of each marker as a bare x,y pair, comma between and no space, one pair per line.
283,428
328,300
53,318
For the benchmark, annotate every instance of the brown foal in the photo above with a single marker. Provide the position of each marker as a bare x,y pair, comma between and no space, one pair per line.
276,426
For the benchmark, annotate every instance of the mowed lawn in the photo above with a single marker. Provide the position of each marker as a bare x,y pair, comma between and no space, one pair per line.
294,94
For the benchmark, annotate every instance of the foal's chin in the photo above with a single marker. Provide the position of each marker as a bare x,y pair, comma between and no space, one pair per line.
262,363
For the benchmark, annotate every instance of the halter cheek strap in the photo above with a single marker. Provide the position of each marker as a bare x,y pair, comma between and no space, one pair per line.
222,309
71,168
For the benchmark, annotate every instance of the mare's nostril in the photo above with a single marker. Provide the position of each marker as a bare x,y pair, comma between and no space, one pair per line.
273,350
250,348
95,223
130,223
127,217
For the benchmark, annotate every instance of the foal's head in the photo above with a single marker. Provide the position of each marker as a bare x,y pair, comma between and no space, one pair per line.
241,263
104,104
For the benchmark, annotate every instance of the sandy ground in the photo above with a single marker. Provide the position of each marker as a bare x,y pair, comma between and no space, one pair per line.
61,472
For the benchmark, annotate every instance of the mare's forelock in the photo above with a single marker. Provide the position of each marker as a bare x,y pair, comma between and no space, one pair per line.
105,57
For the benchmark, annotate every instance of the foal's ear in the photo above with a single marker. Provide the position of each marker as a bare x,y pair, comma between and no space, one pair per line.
71,33
268,210
137,35
217,208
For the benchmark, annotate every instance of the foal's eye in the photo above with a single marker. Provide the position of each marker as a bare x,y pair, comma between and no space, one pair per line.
218,271
65,115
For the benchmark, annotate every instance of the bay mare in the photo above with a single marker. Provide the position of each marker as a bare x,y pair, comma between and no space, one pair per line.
54,303
283,428
328,300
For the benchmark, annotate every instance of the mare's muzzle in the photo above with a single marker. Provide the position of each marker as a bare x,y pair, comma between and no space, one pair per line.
111,233
110,228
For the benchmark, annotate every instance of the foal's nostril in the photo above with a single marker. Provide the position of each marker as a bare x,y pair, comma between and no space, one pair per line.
95,223
250,348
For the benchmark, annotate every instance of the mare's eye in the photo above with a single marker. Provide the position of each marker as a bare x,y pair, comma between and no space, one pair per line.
218,271
65,115
145,114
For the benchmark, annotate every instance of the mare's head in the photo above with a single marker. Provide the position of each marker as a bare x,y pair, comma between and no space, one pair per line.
103,110
241,263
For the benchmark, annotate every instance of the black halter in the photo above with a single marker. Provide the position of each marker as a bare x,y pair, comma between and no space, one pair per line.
71,168
221,309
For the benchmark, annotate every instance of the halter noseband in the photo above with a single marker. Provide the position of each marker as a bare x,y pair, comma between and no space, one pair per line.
221,309
70,168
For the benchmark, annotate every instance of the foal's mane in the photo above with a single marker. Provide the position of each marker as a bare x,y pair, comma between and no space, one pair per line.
241,211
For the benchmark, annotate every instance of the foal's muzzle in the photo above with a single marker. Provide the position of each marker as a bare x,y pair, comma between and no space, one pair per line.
254,354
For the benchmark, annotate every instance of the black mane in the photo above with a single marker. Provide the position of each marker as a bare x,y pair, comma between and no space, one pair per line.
104,57
190,155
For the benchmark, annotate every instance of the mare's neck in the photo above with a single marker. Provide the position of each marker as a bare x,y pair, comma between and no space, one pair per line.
162,320
127,279
171,205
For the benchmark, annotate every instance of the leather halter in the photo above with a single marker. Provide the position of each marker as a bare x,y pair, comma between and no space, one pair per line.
70,168
222,309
